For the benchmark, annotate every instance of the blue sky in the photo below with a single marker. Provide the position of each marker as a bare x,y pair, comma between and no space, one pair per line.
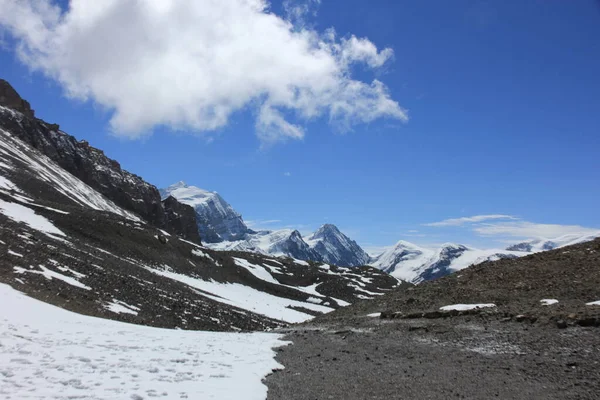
502,100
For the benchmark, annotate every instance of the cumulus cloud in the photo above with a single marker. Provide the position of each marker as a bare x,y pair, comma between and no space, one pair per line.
191,64
468,220
525,229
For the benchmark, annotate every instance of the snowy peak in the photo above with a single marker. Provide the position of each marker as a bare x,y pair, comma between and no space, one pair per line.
217,220
336,248
325,231
190,195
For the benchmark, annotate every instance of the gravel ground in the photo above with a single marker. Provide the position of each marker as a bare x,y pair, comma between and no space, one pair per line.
460,357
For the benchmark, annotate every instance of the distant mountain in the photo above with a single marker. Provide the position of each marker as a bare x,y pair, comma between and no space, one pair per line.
327,245
336,248
217,220
284,242
537,245
416,264
222,228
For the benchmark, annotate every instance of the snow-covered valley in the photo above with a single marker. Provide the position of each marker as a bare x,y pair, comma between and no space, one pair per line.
50,353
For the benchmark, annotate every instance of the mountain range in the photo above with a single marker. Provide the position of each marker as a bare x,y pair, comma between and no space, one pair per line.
222,228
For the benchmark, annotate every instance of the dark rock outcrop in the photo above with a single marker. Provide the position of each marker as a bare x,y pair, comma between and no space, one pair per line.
11,99
182,219
87,163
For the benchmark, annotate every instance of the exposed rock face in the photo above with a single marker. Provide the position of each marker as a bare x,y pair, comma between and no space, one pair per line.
85,162
182,219
11,99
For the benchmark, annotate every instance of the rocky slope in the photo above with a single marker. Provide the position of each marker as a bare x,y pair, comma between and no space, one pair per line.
88,164
64,242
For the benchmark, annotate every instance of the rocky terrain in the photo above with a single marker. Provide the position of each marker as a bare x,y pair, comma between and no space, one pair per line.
81,233
533,335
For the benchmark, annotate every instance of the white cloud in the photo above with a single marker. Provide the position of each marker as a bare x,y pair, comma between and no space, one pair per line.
468,220
525,229
296,11
190,64
287,174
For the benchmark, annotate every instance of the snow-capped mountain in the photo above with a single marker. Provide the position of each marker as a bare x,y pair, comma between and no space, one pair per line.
336,248
416,264
327,245
537,245
222,228
283,242
217,220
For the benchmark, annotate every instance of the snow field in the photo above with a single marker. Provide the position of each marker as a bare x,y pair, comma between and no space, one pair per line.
50,353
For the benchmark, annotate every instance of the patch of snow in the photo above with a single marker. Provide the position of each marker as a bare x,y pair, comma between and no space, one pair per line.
314,300
52,353
12,253
466,307
593,303
120,307
257,270
548,302
374,315
164,232
79,275
6,184
200,253
49,274
301,262
19,213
